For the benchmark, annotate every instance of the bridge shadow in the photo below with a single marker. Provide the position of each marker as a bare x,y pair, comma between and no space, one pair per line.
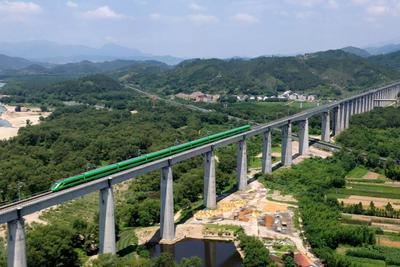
154,239
128,250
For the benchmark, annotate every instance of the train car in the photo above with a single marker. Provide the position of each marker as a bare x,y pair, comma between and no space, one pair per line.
130,163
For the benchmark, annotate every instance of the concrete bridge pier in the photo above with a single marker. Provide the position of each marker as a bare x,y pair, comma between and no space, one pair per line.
325,127
348,114
209,181
375,103
266,153
365,103
107,221
342,116
304,137
16,243
370,102
287,144
359,106
355,108
167,227
337,120
241,171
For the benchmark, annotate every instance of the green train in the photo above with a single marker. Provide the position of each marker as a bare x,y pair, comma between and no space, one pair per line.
130,163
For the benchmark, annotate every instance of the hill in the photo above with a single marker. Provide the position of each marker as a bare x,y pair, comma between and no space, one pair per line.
356,51
381,50
391,60
7,62
52,52
329,73
80,68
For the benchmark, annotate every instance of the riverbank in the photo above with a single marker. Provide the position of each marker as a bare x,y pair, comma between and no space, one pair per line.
19,119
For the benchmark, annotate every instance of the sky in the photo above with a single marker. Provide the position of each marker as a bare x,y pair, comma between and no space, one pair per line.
205,28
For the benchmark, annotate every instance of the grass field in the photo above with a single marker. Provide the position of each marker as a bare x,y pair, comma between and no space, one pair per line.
368,181
357,172
367,262
127,243
363,262
84,208
370,190
255,162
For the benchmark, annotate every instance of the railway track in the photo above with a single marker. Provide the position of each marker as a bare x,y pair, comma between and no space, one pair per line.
24,201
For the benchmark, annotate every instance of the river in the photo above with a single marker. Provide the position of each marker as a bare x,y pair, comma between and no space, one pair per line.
212,253
3,123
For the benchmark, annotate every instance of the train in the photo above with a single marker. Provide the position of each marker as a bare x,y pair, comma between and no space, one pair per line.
134,162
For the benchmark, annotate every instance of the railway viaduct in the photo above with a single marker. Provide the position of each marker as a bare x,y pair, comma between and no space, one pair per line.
339,113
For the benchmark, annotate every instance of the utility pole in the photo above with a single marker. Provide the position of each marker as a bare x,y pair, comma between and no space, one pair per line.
19,185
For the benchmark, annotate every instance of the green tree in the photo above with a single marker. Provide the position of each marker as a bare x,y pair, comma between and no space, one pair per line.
51,245
289,262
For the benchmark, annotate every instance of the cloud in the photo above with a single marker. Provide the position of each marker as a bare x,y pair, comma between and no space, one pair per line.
71,4
378,10
196,7
103,12
198,19
314,3
167,19
201,19
333,4
155,16
307,3
244,18
359,2
19,8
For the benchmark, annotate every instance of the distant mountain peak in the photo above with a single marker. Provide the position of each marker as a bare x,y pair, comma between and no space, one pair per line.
356,51
48,51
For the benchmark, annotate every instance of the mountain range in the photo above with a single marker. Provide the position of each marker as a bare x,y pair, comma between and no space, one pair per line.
51,52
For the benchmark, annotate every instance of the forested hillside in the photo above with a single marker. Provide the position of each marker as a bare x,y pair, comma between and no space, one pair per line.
373,135
96,89
388,60
329,73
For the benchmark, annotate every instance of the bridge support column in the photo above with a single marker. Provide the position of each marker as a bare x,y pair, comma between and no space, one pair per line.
107,221
338,122
242,165
342,116
167,227
287,144
348,114
345,116
325,127
371,102
266,153
369,97
356,104
16,243
359,105
303,138
209,181
365,101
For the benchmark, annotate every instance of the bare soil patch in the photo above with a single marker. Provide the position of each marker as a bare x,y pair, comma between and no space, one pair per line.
385,241
372,175
276,195
387,226
375,219
270,206
365,201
